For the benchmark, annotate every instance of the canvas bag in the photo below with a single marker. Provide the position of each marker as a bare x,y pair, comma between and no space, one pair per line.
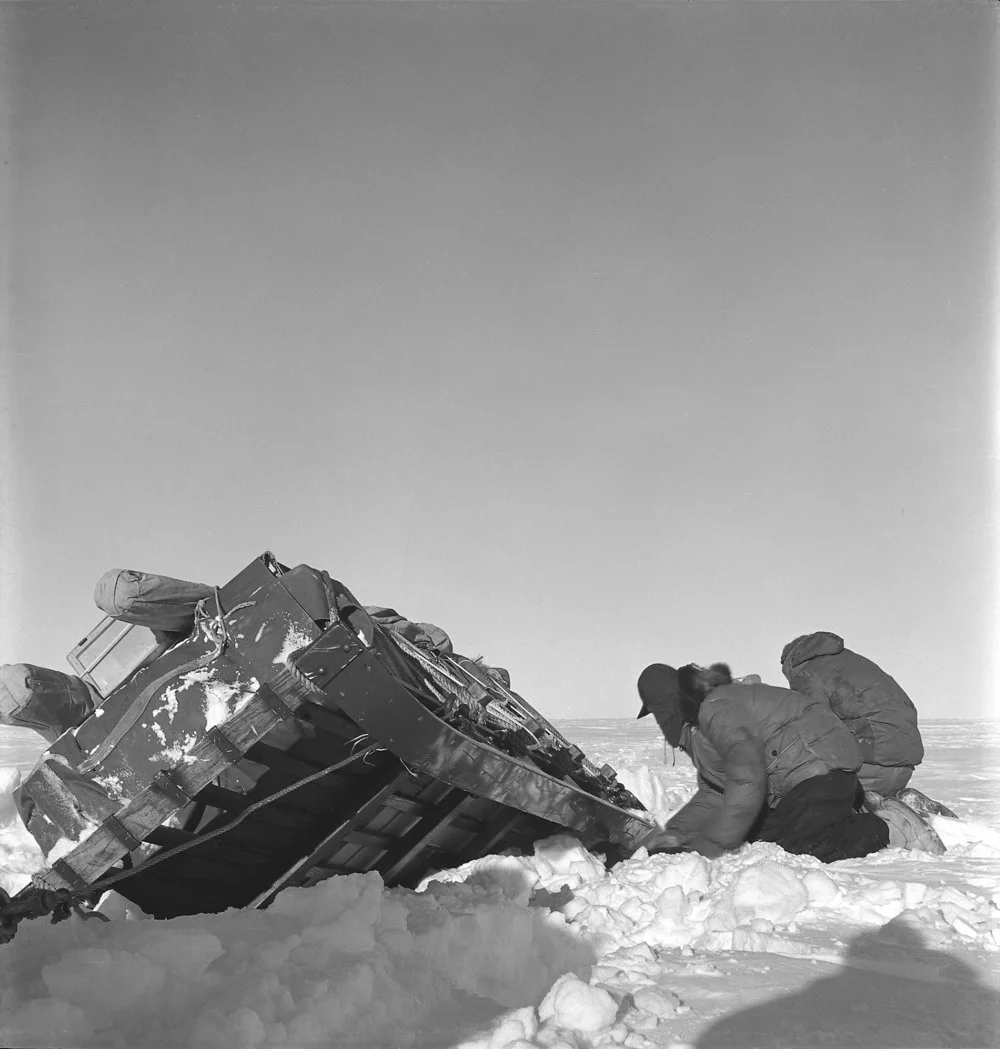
424,635
47,701
159,602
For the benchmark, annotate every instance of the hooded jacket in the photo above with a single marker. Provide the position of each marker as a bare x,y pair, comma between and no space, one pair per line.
755,743
871,704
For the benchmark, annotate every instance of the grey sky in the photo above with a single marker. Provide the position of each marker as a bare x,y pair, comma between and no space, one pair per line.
597,333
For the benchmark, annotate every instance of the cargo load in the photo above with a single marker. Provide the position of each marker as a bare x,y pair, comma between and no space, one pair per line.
274,732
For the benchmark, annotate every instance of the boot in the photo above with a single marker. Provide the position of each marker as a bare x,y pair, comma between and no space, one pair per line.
922,804
906,829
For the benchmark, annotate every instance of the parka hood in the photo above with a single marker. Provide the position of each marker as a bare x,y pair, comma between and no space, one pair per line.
809,646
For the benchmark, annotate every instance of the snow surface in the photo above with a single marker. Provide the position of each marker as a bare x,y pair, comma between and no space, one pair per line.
553,951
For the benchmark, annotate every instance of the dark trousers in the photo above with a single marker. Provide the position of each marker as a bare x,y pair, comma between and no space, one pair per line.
819,817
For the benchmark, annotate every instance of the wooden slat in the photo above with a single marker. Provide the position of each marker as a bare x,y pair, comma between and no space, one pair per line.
483,842
410,806
55,799
384,785
371,838
414,840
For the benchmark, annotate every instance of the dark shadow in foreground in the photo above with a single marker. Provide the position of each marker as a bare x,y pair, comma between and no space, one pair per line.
892,991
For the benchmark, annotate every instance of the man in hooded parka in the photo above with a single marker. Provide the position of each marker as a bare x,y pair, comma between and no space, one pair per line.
773,765
869,702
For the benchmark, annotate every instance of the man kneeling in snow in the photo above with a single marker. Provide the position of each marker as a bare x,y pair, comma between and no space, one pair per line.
773,765
872,705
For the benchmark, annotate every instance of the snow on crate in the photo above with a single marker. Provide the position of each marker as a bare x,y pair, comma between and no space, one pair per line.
295,639
217,702
113,785
67,844
222,699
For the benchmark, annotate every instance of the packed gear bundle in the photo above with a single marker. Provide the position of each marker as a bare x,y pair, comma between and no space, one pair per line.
773,765
232,741
47,701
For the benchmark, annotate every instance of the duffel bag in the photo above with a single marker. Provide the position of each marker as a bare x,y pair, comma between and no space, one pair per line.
47,701
155,601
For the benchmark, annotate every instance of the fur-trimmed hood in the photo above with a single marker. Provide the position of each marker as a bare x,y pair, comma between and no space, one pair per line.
809,646
879,712
696,682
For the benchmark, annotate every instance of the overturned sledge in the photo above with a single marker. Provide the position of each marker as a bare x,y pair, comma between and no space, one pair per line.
289,736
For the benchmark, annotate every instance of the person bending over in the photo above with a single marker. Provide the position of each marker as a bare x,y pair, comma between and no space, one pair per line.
773,765
871,704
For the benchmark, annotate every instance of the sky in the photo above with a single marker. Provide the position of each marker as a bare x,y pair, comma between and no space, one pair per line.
598,334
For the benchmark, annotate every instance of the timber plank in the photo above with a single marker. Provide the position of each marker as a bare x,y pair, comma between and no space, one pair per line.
380,790
407,847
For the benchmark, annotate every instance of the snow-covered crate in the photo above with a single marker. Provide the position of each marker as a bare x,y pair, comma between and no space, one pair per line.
291,737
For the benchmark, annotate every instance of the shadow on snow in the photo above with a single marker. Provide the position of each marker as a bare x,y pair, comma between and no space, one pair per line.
893,990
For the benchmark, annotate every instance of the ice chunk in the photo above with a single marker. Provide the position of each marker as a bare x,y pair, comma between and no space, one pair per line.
661,1003
576,1005
769,890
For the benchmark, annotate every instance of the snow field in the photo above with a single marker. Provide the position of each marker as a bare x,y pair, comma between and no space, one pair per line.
549,951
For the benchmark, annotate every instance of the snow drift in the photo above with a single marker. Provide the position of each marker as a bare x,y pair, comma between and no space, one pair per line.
551,950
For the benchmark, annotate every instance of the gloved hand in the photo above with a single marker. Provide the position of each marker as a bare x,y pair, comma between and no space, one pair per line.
662,841
704,846
674,841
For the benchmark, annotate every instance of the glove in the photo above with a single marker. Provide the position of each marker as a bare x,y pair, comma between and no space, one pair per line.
672,841
662,841
704,846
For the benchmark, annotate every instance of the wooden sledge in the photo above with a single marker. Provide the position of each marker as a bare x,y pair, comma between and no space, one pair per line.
270,750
